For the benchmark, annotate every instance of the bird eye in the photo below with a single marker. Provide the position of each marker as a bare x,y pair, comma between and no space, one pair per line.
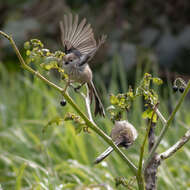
71,60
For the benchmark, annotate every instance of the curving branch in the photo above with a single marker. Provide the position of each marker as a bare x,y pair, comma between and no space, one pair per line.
87,103
161,116
173,149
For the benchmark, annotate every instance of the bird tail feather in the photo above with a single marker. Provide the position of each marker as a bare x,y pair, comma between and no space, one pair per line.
103,155
99,109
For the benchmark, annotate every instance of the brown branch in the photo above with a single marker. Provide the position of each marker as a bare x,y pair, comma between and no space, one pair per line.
150,171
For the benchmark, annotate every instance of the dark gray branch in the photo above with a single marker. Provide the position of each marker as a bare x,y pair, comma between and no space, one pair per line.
152,167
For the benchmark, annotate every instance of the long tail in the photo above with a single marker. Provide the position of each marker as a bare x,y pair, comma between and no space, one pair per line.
103,155
99,108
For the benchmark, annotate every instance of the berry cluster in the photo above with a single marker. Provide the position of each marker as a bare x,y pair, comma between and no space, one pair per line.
179,84
181,89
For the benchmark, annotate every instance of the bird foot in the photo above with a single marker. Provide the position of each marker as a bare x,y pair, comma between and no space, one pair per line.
76,89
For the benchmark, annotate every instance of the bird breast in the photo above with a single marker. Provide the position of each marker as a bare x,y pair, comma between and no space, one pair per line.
80,74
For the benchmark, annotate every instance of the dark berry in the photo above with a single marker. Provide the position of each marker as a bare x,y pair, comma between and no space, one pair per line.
181,89
63,103
175,88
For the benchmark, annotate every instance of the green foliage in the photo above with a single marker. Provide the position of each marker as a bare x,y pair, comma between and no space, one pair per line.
145,90
148,113
60,159
56,120
37,54
78,122
124,182
19,175
120,103
123,102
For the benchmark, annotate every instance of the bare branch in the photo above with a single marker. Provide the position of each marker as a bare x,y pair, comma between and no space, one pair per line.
147,135
161,116
172,150
87,100
150,173
87,103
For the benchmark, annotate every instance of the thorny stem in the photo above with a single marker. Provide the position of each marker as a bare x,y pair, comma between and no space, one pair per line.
90,124
166,126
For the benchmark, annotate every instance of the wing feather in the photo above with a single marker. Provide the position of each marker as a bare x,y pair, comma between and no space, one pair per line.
86,31
65,27
77,35
74,27
86,38
79,30
70,23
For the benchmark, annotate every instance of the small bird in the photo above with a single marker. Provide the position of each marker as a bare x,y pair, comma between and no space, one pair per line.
80,47
123,134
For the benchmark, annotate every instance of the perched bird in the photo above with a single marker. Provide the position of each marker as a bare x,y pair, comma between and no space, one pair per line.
80,47
123,134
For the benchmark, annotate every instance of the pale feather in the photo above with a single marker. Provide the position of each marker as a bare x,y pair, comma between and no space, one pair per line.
78,35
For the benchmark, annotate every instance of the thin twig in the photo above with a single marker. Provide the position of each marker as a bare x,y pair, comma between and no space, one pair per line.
167,124
161,116
90,124
87,103
172,150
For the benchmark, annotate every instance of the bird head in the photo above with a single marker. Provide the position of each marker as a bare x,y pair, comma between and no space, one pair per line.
70,61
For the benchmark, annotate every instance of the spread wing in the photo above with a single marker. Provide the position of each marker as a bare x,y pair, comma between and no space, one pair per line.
77,35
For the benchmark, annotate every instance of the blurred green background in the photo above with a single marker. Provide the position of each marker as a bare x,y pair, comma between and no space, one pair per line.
150,36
